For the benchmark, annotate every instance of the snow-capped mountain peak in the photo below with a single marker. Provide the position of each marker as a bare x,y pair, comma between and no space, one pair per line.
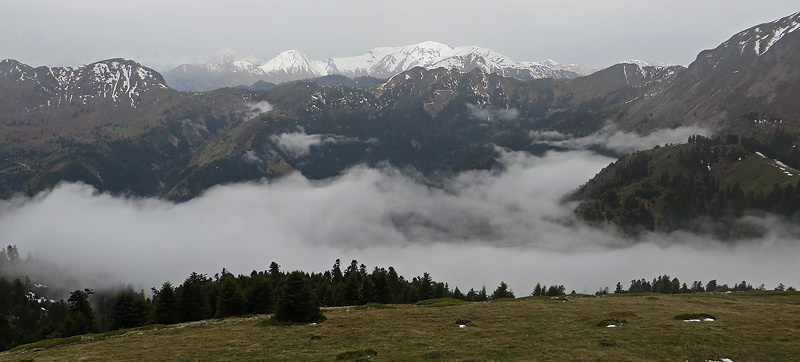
759,39
642,63
292,63
381,62
118,80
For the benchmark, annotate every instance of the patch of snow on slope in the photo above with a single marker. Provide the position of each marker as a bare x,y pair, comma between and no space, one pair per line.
761,38
777,34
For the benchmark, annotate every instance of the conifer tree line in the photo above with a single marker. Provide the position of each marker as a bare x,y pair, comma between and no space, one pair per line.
664,284
26,316
293,297
668,201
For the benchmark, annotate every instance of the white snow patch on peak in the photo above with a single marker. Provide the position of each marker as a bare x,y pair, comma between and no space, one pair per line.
388,61
429,45
293,61
642,63
776,35
761,38
550,62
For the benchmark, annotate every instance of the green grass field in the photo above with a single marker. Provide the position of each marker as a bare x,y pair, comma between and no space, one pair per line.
753,326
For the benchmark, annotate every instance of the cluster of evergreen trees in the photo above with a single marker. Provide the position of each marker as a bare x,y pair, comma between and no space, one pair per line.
673,188
292,297
296,297
551,291
665,285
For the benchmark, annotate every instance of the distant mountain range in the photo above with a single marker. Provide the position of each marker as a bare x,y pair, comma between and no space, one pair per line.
116,125
229,69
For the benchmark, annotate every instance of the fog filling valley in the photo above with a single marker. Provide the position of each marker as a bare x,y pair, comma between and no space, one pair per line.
477,228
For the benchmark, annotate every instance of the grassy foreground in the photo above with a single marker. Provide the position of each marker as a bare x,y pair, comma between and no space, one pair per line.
754,326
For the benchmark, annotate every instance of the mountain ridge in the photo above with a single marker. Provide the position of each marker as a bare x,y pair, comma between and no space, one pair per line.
440,122
382,62
746,89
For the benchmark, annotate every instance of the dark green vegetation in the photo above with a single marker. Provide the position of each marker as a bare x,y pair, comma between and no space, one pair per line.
294,298
706,183
761,327
297,302
26,316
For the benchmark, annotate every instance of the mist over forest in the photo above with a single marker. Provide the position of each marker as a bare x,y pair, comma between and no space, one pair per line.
472,229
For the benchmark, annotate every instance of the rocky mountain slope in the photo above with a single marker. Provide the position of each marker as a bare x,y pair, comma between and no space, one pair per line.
231,69
754,71
28,93
746,89
128,132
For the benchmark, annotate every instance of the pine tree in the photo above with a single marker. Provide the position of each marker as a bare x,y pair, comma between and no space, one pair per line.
502,291
425,287
129,310
80,317
711,286
193,301
275,273
259,296
230,301
537,291
297,303
367,292
350,289
7,333
165,305
382,288
555,290
457,294
411,294
482,296
471,295
397,285
336,273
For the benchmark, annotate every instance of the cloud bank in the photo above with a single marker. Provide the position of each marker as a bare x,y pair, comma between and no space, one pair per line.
611,137
253,110
477,228
492,115
299,144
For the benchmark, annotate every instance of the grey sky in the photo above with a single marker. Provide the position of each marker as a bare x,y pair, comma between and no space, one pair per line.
597,33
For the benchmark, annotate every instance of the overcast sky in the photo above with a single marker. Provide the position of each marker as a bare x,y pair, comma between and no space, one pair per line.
597,33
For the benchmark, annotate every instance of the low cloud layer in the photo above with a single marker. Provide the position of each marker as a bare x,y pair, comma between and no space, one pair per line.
298,144
253,110
251,157
611,137
477,229
492,115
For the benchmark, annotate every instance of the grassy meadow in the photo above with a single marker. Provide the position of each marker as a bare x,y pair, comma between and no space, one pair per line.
752,326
